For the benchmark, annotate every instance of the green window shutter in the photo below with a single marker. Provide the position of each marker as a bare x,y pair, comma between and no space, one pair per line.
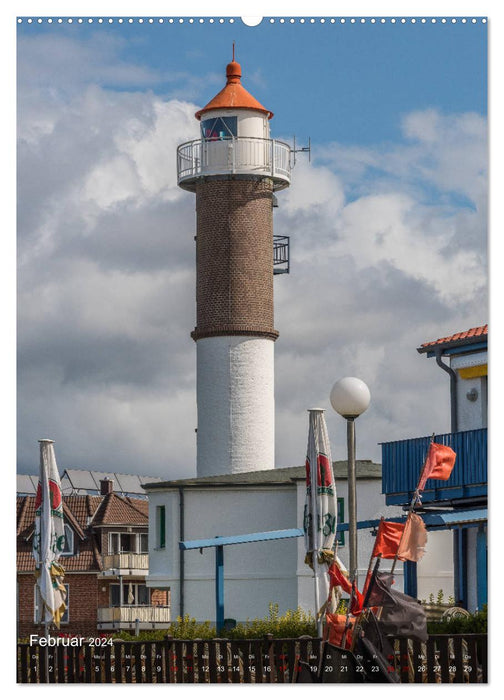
341,519
161,526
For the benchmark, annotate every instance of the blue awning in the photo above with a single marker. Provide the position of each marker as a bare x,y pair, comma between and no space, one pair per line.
432,519
454,518
241,539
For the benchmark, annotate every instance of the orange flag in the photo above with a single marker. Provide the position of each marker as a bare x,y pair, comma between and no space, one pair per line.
438,465
412,545
387,540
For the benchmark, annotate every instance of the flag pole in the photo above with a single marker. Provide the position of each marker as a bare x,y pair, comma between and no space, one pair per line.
358,623
372,557
314,525
365,590
371,582
414,499
315,562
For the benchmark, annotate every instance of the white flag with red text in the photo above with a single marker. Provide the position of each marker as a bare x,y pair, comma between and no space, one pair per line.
49,537
320,513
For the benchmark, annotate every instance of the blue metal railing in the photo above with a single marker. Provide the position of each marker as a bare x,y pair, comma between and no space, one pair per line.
402,462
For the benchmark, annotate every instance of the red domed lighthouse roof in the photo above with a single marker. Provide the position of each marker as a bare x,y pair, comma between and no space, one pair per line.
233,95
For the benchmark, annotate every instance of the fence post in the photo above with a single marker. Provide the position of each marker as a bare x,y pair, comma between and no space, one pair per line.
270,675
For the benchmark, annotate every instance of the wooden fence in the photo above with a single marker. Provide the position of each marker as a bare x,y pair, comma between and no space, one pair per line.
443,659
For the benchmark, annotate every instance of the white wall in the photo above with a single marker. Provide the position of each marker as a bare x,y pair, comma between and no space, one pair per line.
254,574
471,415
236,405
259,573
163,563
251,123
435,569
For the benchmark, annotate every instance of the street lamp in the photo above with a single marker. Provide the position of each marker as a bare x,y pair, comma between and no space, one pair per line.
350,397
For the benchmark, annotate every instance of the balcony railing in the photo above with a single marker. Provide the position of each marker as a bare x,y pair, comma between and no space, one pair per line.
402,462
127,615
238,155
281,262
127,561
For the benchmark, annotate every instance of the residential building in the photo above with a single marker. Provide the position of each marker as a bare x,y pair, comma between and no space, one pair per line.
106,562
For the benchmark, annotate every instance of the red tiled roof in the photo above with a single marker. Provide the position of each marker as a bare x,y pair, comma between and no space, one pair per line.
85,560
465,336
115,510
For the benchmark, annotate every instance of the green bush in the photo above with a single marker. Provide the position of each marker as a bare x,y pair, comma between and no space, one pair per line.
182,628
474,624
294,623
439,600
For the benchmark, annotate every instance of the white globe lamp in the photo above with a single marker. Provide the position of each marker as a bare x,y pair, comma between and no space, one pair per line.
350,397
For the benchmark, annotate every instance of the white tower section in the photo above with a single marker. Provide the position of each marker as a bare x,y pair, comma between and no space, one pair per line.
236,404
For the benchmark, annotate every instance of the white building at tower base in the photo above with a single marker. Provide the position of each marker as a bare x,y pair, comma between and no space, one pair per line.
259,573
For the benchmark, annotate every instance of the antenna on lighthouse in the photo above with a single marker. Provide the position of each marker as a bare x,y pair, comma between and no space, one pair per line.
304,149
233,51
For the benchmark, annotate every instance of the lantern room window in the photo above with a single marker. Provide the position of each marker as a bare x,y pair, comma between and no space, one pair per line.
219,128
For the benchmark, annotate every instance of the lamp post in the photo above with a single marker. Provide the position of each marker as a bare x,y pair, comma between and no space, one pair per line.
350,397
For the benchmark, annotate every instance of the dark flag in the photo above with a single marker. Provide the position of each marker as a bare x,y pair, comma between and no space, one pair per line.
402,616
379,594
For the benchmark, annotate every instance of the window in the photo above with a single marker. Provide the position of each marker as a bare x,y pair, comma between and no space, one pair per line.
121,542
68,548
160,527
133,594
38,605
128,542
219,128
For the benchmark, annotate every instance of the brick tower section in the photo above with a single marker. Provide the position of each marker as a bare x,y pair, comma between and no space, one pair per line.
234,253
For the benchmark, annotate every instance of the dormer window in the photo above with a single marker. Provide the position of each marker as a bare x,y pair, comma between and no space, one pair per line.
121,542
219,128
68,549
127,542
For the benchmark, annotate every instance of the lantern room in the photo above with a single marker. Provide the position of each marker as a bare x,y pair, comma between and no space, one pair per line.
234,139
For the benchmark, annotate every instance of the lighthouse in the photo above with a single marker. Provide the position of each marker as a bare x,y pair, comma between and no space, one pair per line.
234,168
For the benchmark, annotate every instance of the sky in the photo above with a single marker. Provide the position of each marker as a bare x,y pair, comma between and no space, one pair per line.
387,222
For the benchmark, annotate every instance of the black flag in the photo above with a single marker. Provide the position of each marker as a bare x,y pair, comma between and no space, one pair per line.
402,616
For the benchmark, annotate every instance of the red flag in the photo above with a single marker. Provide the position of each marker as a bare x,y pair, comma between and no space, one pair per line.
412,546
357,601
336,631
338,578
387,540
438,465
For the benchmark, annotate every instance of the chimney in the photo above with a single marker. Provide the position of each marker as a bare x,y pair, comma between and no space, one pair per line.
106,486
